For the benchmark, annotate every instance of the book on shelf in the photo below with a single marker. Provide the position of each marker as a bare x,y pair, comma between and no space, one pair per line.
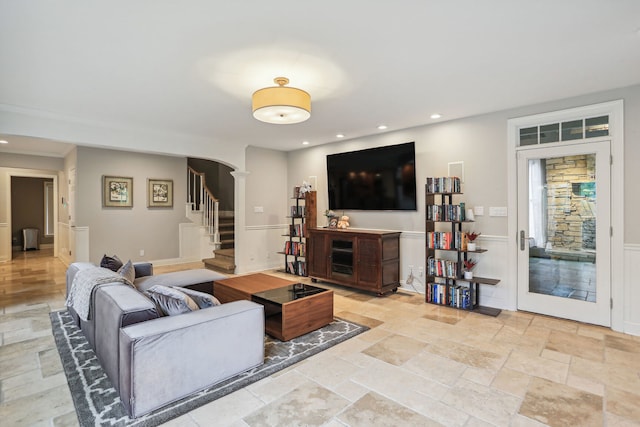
297,211
458,296
295,248
447,240
298,268
442,268
296,230
445,213
448,184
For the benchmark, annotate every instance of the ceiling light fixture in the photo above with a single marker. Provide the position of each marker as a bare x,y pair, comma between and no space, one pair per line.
382,127
435,116
281,105
305,142
339,135
4,142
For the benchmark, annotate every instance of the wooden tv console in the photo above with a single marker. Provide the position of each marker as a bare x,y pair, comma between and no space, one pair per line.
362,259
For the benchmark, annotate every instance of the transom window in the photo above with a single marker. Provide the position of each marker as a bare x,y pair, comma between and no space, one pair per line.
565,131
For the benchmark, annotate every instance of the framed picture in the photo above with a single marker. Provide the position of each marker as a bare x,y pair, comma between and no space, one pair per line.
159,193
117,192
333,222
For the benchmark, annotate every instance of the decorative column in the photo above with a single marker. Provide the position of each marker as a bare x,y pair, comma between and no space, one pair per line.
241,252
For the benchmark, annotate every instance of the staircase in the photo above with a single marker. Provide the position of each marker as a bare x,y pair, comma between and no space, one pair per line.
218,226
224,258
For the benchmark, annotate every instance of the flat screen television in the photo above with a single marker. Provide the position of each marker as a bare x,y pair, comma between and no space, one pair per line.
382,178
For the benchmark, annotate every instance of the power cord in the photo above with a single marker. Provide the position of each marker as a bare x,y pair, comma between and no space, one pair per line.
410,280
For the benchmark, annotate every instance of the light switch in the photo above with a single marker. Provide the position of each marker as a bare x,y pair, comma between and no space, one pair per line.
478,210
498,211
258,209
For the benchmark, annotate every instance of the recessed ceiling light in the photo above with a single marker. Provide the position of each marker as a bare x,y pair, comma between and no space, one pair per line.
339,135
4,142
305,142
435,116
382,127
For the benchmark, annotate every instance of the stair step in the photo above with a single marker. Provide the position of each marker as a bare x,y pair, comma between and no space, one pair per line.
222,265
225,253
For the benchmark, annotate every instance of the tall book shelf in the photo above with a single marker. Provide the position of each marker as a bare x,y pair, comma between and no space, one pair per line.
302,216
446,250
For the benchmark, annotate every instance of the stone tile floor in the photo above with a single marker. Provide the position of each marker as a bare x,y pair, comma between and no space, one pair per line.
419,365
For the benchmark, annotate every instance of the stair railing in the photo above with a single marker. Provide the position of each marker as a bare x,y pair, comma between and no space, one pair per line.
202,200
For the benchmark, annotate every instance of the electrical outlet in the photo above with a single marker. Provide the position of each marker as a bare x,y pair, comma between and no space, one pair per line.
420,271
141,252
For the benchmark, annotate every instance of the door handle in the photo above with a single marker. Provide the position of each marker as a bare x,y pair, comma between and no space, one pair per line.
522,239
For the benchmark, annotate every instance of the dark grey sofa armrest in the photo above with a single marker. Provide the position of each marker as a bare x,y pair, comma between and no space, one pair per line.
166,359
143,269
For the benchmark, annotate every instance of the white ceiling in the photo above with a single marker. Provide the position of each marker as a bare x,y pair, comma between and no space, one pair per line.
190,67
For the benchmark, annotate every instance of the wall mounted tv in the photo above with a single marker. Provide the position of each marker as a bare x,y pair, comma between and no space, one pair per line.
378,179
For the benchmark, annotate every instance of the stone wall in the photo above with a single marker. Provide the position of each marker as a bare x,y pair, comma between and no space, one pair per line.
571,203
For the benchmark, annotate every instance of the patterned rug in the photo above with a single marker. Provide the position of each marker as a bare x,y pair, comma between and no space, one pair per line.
98,403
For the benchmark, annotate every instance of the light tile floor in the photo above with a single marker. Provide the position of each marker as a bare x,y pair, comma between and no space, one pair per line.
419,365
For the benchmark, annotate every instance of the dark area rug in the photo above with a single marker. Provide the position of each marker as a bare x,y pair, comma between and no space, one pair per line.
98,403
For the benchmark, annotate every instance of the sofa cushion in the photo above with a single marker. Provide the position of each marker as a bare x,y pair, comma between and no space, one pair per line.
128,272
171,301
112,263
203,300
179,278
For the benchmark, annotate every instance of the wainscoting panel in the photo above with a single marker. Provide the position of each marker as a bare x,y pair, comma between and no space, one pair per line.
631,290
62,240
5,242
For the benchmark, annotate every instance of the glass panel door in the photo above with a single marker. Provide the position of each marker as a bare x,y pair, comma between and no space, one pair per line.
563,223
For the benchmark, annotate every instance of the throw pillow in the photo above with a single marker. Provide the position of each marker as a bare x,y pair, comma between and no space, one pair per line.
203,300
128,272
170,301
112,263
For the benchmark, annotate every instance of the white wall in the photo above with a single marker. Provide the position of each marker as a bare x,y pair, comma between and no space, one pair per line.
481,143
266,190
126,231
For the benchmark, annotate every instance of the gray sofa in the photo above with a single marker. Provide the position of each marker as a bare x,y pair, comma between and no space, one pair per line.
154,360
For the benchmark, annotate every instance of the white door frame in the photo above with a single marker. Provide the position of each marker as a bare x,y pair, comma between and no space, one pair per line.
34,173
615,111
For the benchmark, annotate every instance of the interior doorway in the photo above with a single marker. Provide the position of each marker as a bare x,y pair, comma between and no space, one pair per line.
32,203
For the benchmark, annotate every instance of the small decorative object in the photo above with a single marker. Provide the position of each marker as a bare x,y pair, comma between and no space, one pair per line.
471,246
468,265
469,216
343,222
296,192
331,215
159,193
304,188
333,222
117,192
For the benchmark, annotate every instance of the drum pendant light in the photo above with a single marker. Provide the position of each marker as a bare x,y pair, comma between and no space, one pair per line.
280,104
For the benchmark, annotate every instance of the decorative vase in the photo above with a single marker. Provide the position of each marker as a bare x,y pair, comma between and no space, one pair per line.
471,246
468,275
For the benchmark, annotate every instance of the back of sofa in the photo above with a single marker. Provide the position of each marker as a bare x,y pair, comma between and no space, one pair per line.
169,358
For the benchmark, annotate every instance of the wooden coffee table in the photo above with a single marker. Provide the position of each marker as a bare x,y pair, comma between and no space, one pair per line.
288,313
295,310
242,287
